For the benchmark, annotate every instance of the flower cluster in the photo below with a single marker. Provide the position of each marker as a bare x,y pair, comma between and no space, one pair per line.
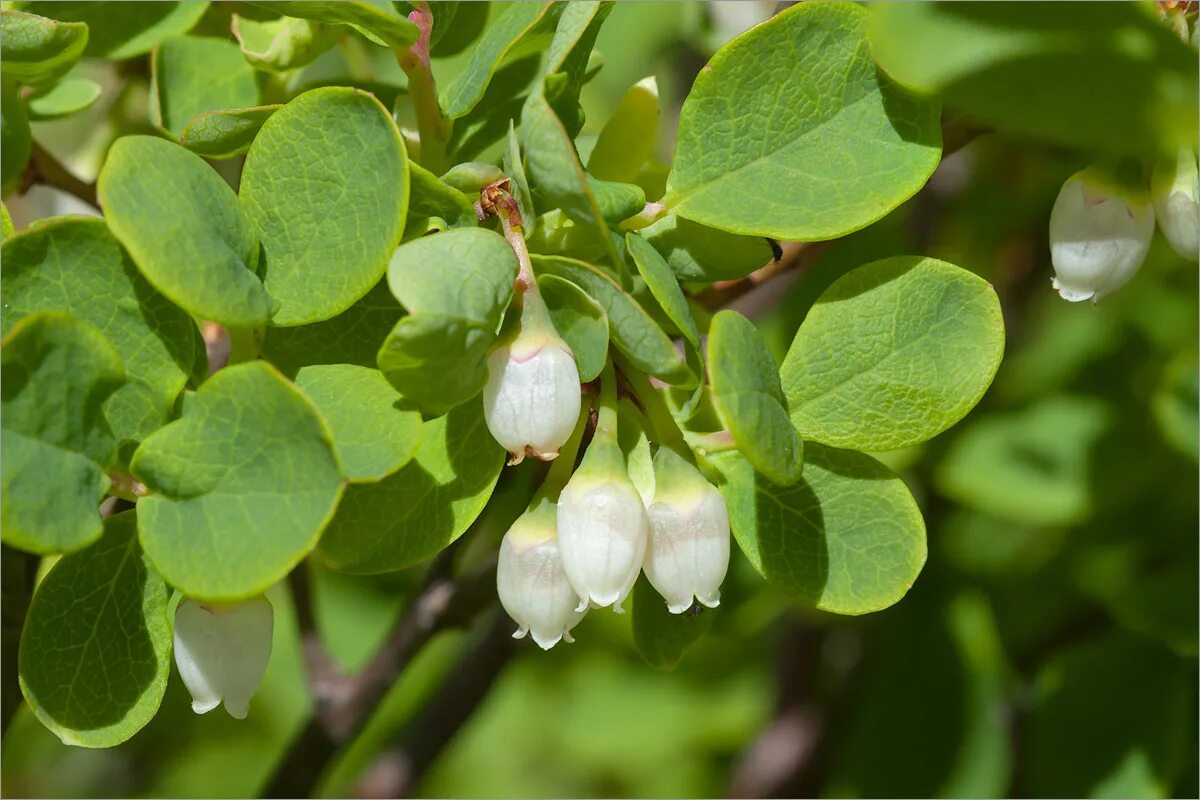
586,547
1100,228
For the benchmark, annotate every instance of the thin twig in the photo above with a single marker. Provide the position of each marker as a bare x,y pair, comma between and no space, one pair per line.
397,771
45,169
343,703
432,124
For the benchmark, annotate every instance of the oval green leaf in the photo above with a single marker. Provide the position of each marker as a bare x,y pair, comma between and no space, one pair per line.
633,331
374,431
194,74
696,252
415,513
96,648
749,400
161,201
66,97
239,488
227,133
74,264
580,321
57,374
125,30
847,537
283,44
379,22
326,185
39,50
455,286
893,353
831,147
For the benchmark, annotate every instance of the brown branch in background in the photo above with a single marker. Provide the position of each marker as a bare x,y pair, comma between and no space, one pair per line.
45,169
343,703
397,771
18,571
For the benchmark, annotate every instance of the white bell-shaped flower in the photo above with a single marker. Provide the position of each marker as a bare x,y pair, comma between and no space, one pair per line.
688,554
1099,235
1175,188
602,526
532,396
531,581
222,651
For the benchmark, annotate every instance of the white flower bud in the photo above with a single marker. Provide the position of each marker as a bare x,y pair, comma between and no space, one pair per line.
689,535
531,581
532,396
222,651
602,527
1099,235
1176,204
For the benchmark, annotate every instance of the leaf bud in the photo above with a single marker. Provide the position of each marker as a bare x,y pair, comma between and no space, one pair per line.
1099,234
531,581
222,651
688,553
1174,188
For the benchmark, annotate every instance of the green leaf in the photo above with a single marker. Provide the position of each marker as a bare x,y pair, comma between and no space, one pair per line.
580,321
379,22
124,30
74,264
284,44
500,38
433,205
662,637
352,337
828,148
67,96
455,286
96,648
374,432
567,60
749,400
555,173
893,353
239,488
39,50
847,537
415,513
14,130
1054,74
514,167
628,138
6,223
57,373
696,252
226,133
160,201
194,74
1135,747
1030,466
633,331
665,289
328,225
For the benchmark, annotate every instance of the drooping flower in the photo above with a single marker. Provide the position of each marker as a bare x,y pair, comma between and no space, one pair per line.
532,396
222,651
1099,234
688,553
1175,190
602,524
531,581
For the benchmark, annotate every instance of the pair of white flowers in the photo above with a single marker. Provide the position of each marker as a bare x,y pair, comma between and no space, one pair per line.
586,549
1100,231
